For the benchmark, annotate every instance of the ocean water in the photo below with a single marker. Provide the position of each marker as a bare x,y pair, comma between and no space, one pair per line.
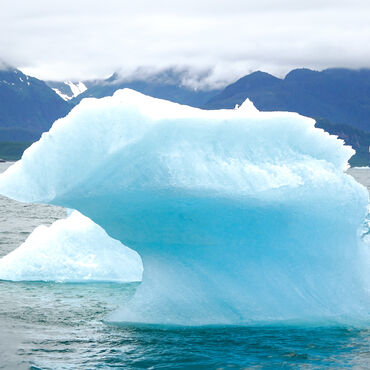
64,326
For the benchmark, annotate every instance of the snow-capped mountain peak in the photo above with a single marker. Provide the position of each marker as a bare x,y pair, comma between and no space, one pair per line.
67,90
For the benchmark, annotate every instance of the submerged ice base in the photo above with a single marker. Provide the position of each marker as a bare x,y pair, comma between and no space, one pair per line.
239,216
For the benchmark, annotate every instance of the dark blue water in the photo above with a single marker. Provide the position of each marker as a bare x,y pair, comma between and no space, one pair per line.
66,326
240,348
62,326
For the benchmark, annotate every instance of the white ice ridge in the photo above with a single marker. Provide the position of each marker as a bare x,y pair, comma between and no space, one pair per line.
239,216
71,250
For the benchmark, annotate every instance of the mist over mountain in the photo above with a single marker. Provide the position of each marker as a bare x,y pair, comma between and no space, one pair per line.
167,84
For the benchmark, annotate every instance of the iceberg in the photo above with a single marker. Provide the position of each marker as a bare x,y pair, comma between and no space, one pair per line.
239,216
71,250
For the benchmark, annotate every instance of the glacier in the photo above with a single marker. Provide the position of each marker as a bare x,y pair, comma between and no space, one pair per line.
239,216
74,249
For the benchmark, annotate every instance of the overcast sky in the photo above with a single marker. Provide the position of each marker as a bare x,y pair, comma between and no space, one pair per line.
82,39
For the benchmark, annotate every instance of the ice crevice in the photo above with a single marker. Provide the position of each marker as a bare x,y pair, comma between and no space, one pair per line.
239,216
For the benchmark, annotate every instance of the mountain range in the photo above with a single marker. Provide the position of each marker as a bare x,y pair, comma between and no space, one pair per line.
28,106
339,95
339,99
164,85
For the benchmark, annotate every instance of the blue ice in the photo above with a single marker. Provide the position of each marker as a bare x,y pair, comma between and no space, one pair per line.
239,216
